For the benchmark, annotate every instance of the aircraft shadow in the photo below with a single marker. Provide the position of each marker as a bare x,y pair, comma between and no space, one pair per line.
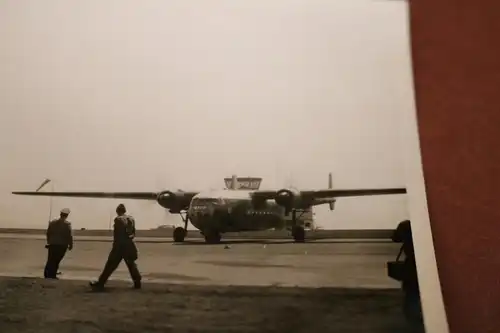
234,241
200,241
275,242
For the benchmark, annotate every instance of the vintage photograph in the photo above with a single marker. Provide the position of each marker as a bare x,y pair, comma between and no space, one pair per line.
210,166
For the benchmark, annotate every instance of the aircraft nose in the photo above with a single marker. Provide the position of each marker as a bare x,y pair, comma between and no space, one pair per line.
203,214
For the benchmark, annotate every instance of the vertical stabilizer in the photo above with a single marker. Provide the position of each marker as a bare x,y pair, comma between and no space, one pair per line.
330,186
242,183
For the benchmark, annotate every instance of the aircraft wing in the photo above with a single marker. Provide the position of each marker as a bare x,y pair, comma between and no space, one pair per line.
103,195
331,193
175,201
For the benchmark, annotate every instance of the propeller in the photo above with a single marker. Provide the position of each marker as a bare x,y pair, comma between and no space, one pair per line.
151,205
290,182
160,184
331,204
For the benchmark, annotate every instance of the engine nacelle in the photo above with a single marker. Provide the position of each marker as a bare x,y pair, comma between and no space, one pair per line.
168,199
287,198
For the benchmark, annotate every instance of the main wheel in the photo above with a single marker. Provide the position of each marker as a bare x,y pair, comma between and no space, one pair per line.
179,234
212,237
298,234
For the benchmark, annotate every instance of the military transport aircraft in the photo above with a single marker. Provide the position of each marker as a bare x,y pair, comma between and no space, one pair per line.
232,210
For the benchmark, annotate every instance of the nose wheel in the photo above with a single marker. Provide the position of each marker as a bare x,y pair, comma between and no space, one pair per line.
180,233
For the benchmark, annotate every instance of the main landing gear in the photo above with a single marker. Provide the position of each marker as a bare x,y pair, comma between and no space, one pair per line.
212,236
298,232
180,232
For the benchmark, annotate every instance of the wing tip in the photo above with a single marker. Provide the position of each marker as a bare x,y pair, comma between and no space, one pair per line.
23,193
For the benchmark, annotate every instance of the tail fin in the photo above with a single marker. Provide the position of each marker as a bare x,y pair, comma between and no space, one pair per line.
234,179
330,186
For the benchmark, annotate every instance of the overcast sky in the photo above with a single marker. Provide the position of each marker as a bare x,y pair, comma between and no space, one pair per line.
165,94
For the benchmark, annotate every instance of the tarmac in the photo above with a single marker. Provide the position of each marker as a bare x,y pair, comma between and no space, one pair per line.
320,263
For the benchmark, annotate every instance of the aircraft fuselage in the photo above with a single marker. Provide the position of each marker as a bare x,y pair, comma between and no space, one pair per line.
232,211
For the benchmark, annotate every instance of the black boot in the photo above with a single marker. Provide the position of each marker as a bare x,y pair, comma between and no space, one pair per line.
96,285
137,284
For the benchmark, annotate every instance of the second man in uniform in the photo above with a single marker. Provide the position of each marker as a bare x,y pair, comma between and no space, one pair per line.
59,240
123,248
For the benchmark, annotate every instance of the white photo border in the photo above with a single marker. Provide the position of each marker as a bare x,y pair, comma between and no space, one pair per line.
433,309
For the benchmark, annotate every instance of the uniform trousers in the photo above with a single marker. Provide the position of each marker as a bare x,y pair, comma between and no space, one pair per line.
55,255
126,252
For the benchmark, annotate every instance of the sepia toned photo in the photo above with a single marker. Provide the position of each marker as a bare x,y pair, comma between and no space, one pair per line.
212,166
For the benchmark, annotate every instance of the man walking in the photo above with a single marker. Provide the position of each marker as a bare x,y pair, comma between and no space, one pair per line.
123,249
59,240
412,305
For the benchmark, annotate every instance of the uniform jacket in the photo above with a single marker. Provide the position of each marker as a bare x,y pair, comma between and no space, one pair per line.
123,236
124,229
59,232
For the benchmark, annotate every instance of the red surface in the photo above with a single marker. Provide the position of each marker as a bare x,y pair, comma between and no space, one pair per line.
456,58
